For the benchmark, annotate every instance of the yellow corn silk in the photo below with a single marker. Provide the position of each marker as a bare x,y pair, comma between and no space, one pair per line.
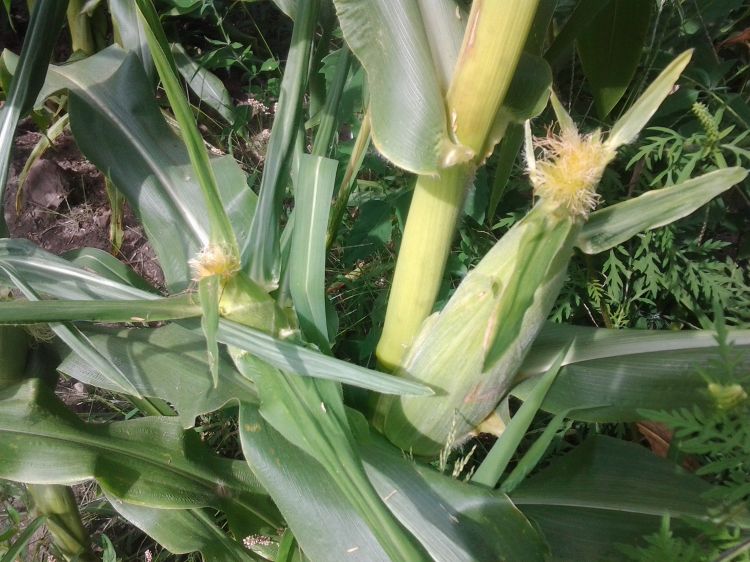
470,351
242,300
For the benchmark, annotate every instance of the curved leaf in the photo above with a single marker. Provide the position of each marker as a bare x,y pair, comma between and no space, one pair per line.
52,275
615,224
406,98
610,48
624,370
306,495
183,530
148,461
299,360
605,492
168,363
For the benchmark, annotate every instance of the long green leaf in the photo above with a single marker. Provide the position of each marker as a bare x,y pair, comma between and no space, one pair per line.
149,461
293,358
170,308
221,232
453,520
407,104
607,491
617,223
130,34
52,275
614,373
284,470
75,339
45,23
635,118
496,461
104,263
610,48
311,415
261,249
314,190
204,84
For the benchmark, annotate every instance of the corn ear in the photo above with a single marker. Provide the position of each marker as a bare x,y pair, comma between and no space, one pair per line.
470,352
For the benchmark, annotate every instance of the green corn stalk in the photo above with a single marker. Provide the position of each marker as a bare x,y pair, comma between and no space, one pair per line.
493,41
470,351
58,504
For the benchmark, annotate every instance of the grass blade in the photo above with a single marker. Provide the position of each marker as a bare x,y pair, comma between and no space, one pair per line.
14,551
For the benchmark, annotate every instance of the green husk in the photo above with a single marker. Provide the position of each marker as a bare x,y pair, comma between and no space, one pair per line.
469,353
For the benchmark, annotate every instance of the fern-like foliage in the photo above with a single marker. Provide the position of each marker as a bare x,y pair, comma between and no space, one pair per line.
719,439
663,546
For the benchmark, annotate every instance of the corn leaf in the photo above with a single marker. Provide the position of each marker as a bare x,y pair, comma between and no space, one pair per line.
311,415
112,98
130,34
182,531
607,491
149,461
221,231
284,470
75,339
496,461
209,289
610,48
627,127
58,278
466,523
406,96
107,265
169,308
615,373
531,458
314,190
204,84
45,23
584,12
52,275
261,252
168,363
617,223
293,358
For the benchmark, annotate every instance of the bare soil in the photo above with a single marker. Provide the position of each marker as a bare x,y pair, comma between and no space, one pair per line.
63,205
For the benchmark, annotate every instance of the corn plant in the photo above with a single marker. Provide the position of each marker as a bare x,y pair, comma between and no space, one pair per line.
243,322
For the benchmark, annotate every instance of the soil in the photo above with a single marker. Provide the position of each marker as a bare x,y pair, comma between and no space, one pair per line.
64,205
